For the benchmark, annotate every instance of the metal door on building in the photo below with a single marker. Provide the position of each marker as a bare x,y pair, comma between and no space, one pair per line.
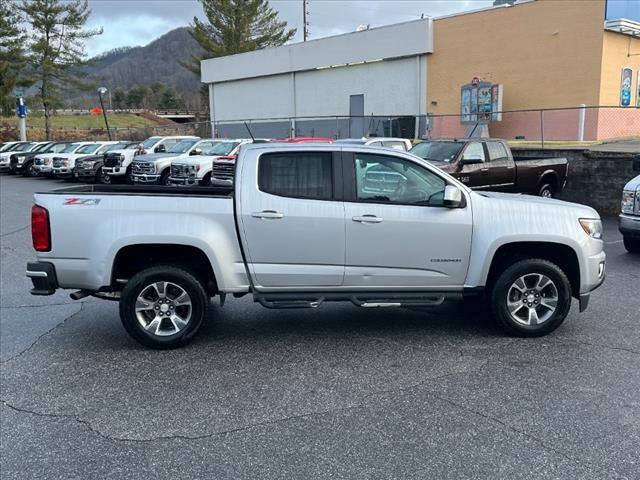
356,113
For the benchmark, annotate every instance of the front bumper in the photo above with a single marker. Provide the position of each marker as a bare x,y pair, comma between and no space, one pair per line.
114,171
593,276
184,181
629,225
4,167
63,172
17,167
145,178
85,173
43,277
43,169
217,182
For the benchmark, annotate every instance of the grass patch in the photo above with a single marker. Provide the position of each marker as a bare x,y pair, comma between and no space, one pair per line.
83,122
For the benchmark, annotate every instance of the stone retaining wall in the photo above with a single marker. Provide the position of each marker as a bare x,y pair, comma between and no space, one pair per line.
596,178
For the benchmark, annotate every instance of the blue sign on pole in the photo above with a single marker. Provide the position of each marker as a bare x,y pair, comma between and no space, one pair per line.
22,107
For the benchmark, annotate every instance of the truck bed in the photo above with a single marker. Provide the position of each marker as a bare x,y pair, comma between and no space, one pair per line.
144,190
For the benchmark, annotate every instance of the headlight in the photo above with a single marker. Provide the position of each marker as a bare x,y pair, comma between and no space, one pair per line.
65,163
21,158
628,198
592,227
47,161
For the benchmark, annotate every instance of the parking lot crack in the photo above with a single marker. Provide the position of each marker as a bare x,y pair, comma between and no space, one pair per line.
506,427
6,234
41,336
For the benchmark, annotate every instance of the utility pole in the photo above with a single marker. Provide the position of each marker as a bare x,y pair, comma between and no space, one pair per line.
305,23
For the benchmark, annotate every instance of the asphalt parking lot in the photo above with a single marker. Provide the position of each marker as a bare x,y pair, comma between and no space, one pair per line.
338,392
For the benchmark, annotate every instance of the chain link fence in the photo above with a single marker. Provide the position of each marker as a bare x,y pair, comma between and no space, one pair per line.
538,127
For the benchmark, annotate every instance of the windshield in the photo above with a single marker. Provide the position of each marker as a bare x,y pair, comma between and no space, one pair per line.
56,148
150,142
88,149
70,148
43,147
183,146
22,147
222,148
437,151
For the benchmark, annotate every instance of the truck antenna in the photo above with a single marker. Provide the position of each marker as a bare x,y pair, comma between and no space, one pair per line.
249,130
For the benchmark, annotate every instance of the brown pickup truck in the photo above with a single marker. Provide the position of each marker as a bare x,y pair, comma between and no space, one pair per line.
488,164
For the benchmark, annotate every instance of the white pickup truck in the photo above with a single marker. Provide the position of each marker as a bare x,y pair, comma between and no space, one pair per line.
305,224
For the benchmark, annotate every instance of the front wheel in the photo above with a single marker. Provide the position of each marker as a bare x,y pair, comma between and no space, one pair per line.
631,244
164,177
163,307
531,298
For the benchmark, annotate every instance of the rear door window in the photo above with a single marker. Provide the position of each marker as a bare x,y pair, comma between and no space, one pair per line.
497,151
297,174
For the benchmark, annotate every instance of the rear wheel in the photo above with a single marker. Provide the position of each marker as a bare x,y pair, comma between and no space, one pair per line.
631,244
163,307
546,191
531,298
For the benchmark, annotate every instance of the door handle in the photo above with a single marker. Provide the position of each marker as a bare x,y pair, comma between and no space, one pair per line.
270,214
367,219
511,167
486,169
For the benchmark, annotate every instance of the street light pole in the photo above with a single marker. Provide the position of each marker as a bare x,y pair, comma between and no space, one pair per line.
102,91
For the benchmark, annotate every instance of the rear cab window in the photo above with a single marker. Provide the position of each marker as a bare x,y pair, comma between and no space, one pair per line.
307,175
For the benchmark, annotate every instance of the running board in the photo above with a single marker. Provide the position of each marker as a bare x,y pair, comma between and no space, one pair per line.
360,299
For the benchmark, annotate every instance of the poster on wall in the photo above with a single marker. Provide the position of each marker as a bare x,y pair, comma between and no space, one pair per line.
626,86
496,103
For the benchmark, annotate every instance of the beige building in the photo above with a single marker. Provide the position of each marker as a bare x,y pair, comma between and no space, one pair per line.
547,54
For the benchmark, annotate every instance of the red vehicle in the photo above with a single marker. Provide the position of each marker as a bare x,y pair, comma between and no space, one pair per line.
304,140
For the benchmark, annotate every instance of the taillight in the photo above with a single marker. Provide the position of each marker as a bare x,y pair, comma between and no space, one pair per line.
40,231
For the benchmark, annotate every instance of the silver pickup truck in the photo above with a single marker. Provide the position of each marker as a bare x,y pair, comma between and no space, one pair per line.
307,224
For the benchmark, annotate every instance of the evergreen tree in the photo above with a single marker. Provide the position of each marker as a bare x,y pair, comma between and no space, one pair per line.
12,55
57,35
170,100
236,26
119,99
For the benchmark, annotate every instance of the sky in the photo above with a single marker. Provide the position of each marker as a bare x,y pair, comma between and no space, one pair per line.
128,23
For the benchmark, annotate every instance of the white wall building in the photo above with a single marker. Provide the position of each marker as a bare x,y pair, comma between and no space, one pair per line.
376,72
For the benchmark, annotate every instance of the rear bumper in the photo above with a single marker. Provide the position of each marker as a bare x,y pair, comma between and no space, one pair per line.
43,277
629,225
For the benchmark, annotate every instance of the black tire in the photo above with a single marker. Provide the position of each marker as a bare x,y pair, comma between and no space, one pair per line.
139,283
98,176
105,179
502,289
206,180
546,190
631,244
27,170
164,177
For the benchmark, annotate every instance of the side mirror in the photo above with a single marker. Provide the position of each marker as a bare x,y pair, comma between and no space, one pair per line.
471,160
161,149
452,197
196,151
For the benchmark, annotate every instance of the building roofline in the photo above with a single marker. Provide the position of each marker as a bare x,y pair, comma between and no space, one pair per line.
484,9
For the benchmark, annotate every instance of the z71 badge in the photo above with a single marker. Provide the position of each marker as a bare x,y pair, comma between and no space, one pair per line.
81,201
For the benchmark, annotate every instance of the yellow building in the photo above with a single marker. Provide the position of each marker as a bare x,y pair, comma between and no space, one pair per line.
547,54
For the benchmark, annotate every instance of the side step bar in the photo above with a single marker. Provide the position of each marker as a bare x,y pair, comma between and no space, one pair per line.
360,299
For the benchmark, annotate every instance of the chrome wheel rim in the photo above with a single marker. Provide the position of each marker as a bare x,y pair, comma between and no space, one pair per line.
546,193
532,299
163,309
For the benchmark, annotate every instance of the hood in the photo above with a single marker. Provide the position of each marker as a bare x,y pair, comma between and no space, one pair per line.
634,184
549,204
152,157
